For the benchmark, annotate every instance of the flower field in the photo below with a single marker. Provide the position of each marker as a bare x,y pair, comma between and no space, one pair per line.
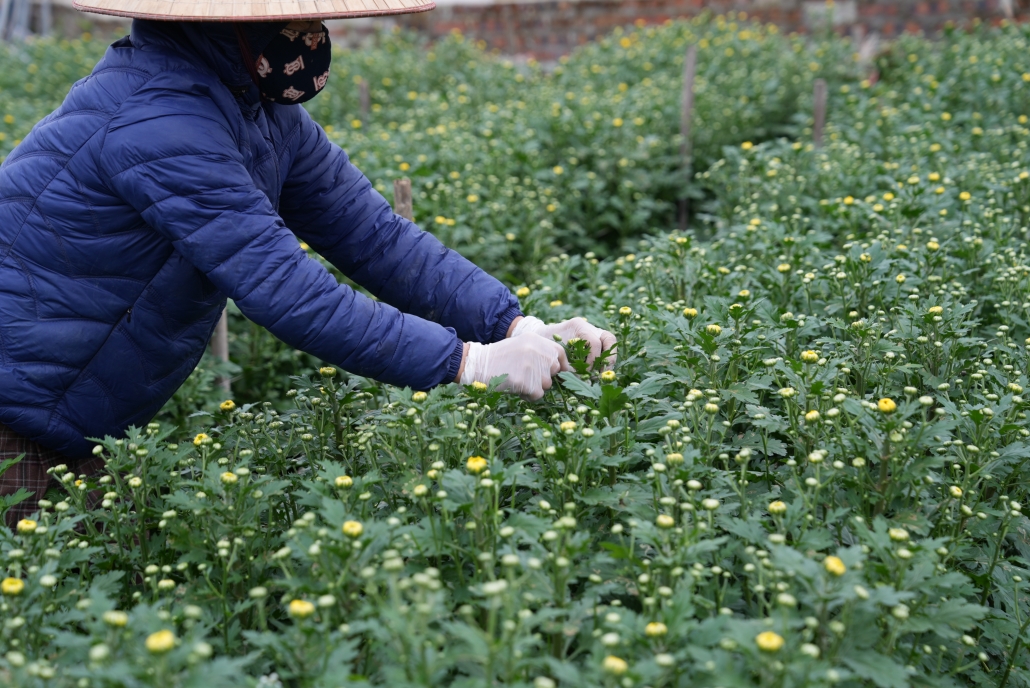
806,469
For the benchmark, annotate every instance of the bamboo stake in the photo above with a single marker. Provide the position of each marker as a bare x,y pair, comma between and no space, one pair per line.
402,204
686,123
220,347
820,112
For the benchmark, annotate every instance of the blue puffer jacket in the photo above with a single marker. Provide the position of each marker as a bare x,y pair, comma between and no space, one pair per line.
162,186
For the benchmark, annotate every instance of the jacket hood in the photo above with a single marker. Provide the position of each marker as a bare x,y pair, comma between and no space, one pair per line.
213,44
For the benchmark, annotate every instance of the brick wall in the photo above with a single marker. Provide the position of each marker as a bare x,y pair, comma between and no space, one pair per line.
547,29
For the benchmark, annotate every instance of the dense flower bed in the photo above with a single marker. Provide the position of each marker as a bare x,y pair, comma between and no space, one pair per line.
807,467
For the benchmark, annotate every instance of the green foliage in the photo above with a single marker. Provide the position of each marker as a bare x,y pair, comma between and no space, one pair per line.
807,468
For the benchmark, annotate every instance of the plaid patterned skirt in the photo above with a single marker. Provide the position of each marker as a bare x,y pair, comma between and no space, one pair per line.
31,471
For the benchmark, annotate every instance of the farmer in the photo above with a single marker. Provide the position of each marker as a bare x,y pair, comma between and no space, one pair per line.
181,172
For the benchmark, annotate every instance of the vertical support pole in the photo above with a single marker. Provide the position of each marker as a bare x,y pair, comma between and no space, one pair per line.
402,203
20,19
819,123
363,99
220,347
5,18
46,17
686,124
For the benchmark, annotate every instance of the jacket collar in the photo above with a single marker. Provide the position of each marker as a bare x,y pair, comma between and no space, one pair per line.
213,45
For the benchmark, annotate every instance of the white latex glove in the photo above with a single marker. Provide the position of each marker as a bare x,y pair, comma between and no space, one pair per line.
529,362
576,328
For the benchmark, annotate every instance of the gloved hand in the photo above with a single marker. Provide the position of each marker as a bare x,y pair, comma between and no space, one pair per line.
576,328
529,362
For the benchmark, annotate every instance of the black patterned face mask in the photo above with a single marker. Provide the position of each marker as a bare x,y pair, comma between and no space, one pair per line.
294,66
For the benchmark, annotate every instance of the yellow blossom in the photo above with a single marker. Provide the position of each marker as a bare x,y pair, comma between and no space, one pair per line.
352,529
690,313
199,439
419,397
301,609
812,416
625,310
655,629
834,566
12,586
229,478
809,356
160,642
228,405
343,481
327,371
664,521
475,465
783,268
769,641
614,665
886,405
608,376
778,507
115,618
522,292
713,329
26,525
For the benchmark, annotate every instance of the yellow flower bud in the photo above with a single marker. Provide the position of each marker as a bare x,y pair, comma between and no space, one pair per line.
769,641
160,642
300,609
12,586
834,566
352,529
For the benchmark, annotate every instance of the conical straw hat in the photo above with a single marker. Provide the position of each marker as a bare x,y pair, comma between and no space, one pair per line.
251,10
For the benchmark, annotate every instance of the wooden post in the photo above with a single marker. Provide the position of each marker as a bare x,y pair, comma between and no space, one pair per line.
402,204
686,122
363,99
220,347
820,112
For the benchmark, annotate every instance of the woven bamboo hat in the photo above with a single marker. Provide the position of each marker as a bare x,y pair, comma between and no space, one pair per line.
251,10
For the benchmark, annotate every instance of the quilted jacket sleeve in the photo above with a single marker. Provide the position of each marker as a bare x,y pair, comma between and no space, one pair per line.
173,156
332,206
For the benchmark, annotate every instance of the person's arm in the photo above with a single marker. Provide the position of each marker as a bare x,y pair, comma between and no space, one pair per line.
333,207
173,156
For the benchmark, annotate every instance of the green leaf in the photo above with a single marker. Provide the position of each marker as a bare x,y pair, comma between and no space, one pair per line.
578,386
876,667
613,400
